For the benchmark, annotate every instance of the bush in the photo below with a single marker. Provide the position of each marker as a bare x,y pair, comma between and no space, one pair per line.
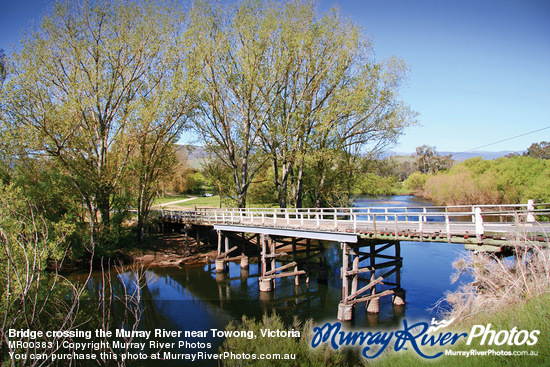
477,181
416,181
500,283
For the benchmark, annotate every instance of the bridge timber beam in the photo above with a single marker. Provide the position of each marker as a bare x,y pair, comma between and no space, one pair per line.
296,233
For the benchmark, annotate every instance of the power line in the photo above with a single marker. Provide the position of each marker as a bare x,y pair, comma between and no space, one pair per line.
500,141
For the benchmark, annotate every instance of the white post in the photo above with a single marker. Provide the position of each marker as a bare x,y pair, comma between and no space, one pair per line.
396,229
287,217
219,243
479,224
530,213
448,227
420,230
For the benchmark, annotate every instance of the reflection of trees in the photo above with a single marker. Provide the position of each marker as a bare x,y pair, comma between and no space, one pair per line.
152,316
132,298
239,296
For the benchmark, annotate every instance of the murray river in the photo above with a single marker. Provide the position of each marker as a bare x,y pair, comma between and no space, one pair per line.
196,298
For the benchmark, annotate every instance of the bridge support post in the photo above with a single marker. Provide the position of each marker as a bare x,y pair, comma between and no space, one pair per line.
345,311
219,242
345,308
244,261
399,298
373,305
399,294
265,284
220,266
381,266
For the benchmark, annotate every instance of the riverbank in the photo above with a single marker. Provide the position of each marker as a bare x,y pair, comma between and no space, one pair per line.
168,251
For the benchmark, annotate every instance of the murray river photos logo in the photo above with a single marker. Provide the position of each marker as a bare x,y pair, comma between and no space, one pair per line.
417,336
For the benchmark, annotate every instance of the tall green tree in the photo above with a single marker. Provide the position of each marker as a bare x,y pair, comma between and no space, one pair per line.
281,81
429,160
96,86
539,150
230,48
333,98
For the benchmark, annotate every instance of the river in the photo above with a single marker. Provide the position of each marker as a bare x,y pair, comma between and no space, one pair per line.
196,298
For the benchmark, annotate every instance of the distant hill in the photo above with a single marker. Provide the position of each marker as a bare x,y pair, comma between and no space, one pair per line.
462,156
479,153
194,155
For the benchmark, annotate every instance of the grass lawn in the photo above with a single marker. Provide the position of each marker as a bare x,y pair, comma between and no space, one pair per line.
214,202
201,202
169,198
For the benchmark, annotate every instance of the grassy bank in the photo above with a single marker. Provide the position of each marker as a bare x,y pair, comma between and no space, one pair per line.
530,315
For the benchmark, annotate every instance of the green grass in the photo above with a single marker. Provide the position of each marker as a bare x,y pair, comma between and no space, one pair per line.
202,202
532,315
169,198
214,202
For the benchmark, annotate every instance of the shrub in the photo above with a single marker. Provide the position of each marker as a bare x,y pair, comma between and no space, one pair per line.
477,181
500,282
416,181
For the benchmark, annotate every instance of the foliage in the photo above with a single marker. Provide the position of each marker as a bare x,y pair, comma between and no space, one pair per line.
226,57
429,160
281,84
100,89
35,297
305,356
378,177
416,182
262,191
29,298
539,150
373,184
477,181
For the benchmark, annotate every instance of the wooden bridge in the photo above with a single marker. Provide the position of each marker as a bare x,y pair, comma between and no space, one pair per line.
367,236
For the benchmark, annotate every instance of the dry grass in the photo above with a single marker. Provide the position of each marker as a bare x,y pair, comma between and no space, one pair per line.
500,283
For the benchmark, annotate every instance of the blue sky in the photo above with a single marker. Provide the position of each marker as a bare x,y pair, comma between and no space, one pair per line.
480,69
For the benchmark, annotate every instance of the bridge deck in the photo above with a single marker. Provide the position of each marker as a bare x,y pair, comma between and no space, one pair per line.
480,228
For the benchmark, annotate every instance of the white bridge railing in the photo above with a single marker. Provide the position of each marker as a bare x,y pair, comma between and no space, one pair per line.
452,220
